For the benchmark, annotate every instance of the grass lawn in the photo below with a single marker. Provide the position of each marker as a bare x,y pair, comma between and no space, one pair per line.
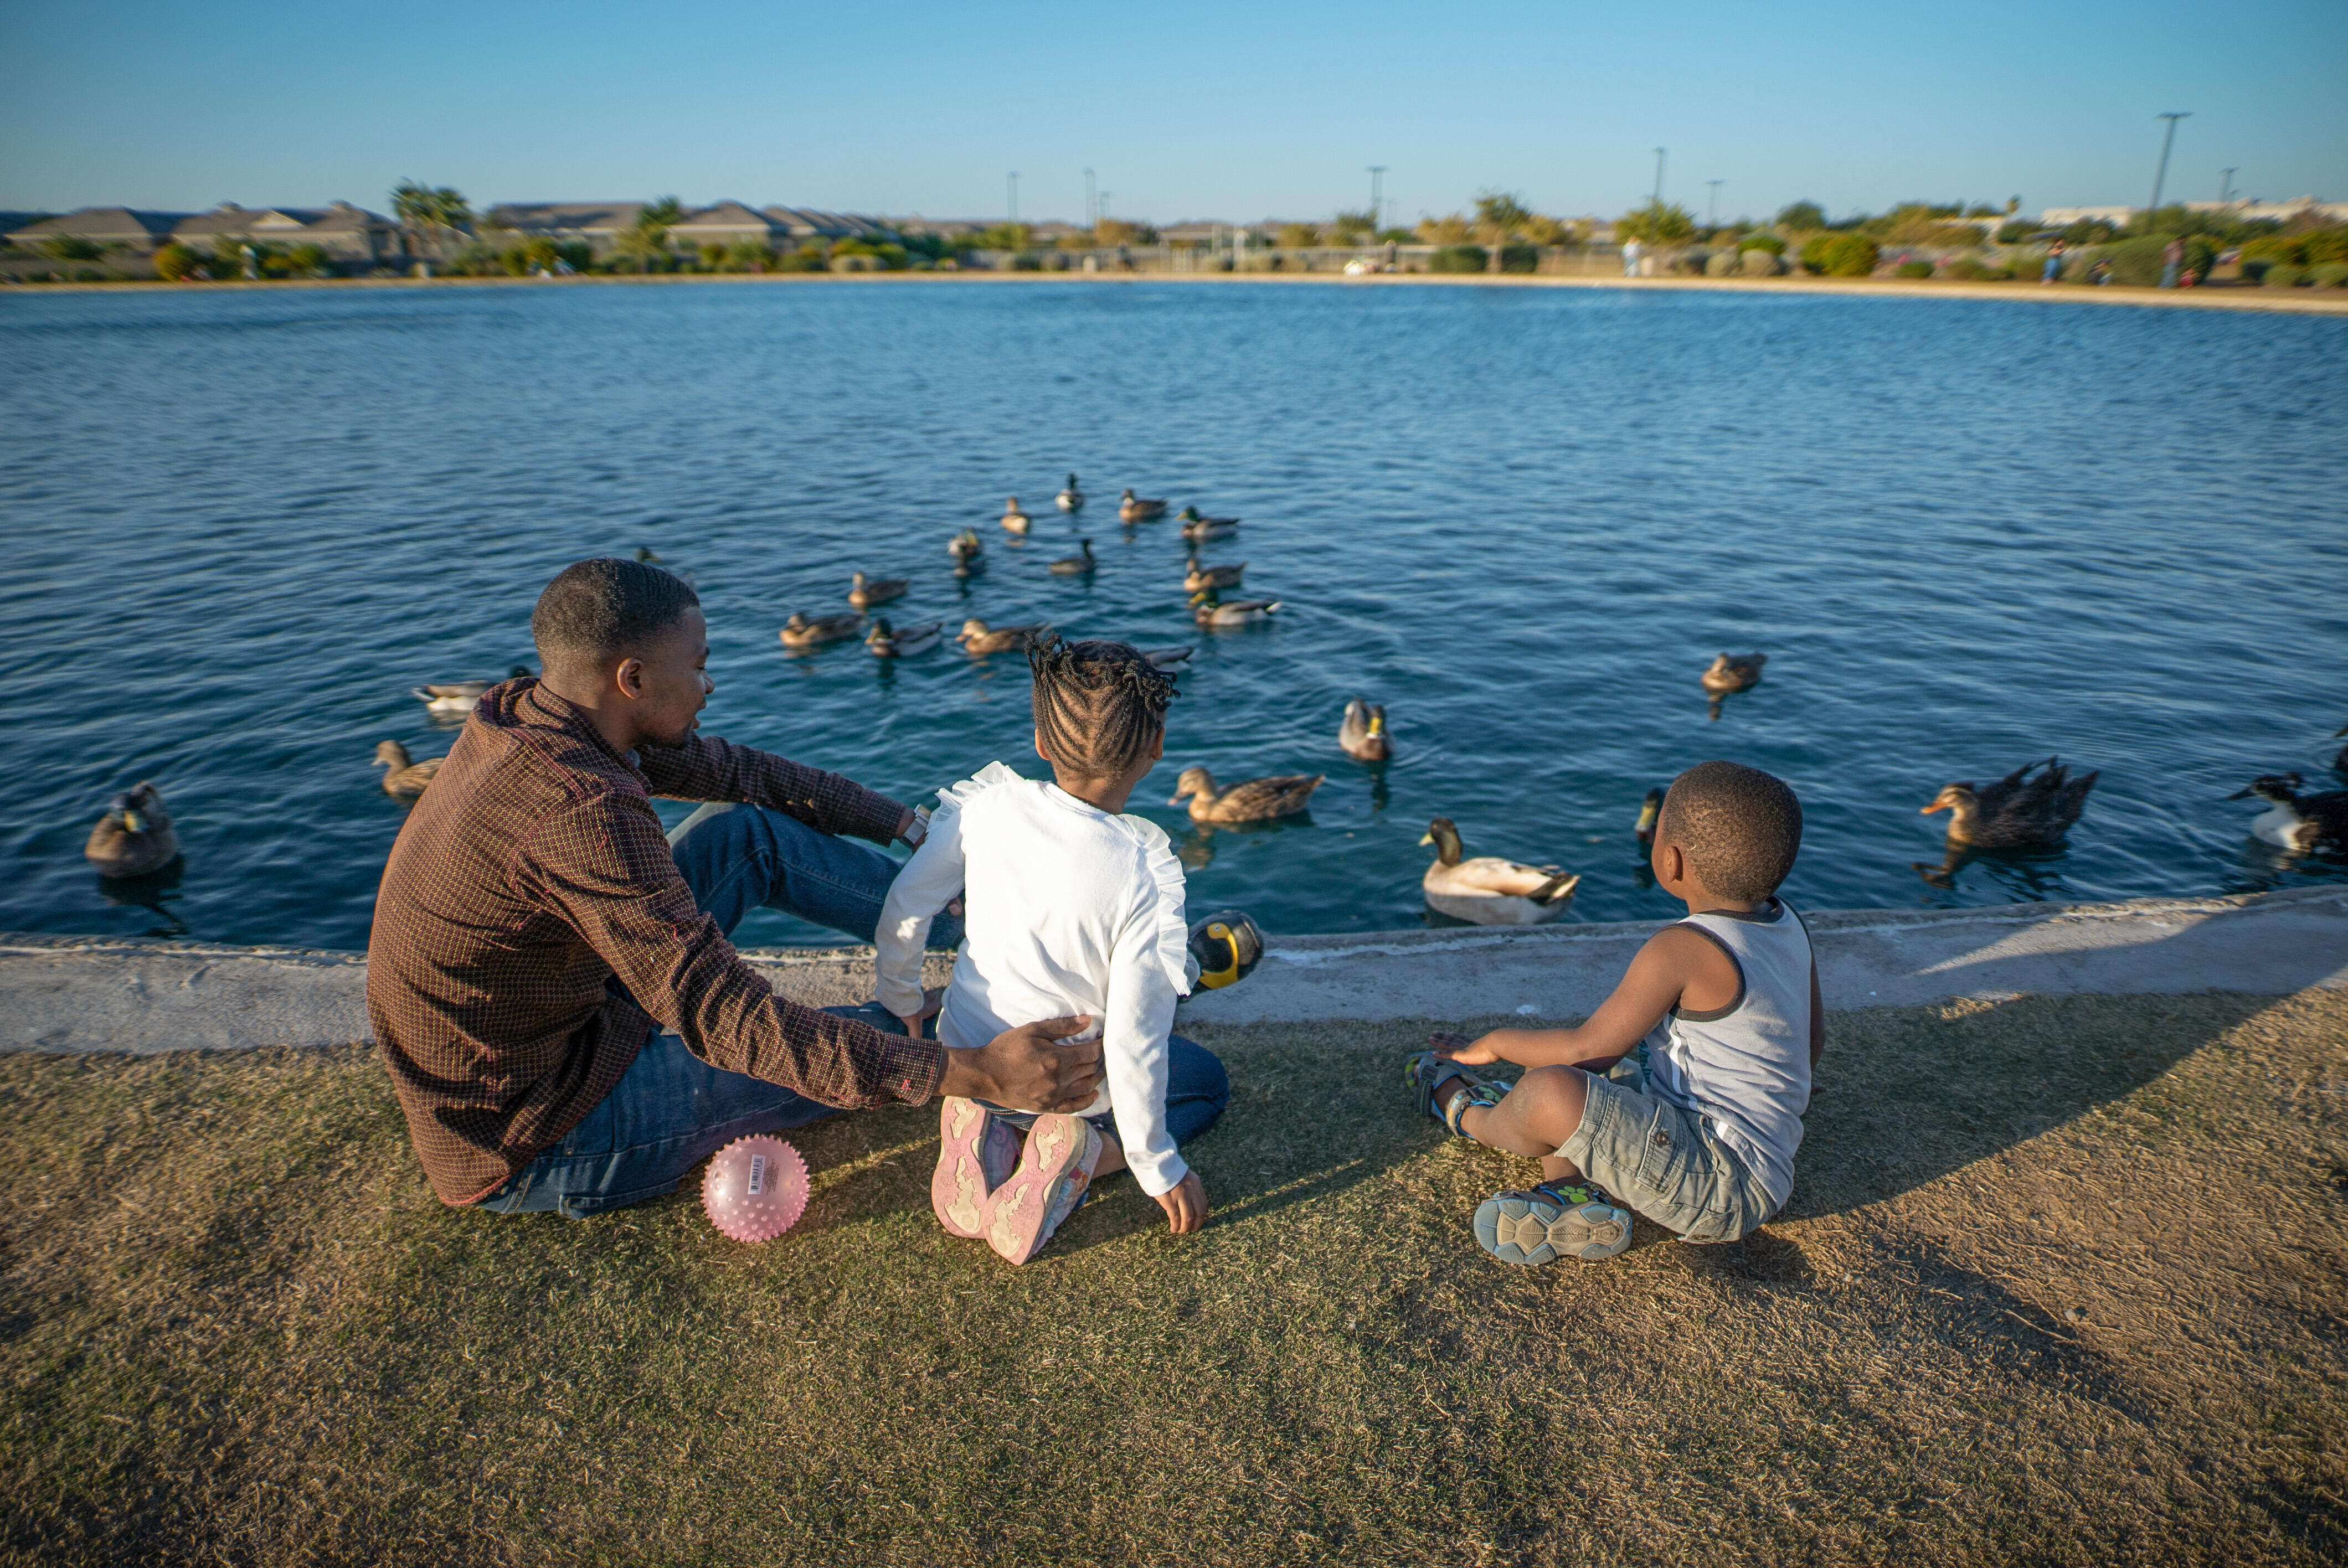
2063,1281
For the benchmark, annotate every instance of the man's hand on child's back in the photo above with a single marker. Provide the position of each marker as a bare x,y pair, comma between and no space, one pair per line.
1186,1205
1035,1067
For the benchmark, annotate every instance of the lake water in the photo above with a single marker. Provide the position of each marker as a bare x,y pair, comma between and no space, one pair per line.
1967,534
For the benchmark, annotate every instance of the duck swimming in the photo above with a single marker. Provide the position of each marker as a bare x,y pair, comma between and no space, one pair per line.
1362,731
1071,497
1166,658
2017,811
1197,578
1725,674
2297,821
1017,521
1253,800
969,555
1209,609
1489,890
885,641
864,593
977,636
134,837
804,630
405,779
455,698
1651,812
1196,528
1074,564
1135,508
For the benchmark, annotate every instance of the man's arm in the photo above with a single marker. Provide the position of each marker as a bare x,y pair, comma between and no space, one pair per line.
706,768
607,869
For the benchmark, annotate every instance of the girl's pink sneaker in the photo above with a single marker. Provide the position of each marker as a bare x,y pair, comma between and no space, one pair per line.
974,1152
1052,1174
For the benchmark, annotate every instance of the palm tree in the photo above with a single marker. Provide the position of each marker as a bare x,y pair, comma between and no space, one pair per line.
428,213
647,237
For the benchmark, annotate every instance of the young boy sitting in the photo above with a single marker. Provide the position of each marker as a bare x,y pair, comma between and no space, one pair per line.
1072,908
1711,1037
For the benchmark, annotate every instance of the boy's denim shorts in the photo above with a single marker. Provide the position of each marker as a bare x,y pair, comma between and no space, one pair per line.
1666,1164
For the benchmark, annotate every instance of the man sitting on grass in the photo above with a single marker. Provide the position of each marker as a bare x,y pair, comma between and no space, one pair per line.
1711,1037
566,1025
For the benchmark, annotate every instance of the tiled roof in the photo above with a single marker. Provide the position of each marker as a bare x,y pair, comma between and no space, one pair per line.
102,223
729,215
582,217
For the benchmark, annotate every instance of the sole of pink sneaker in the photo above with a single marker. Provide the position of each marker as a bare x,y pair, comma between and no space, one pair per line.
958,1188
1053,1173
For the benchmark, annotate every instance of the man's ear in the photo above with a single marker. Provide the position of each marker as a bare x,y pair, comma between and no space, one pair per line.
630,677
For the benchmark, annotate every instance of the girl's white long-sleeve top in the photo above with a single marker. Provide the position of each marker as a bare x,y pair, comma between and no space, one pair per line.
1067,909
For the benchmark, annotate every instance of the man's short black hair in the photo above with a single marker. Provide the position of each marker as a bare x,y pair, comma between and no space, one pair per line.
598,609
1741,828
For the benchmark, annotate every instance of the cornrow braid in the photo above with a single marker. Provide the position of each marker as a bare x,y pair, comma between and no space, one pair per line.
1097,703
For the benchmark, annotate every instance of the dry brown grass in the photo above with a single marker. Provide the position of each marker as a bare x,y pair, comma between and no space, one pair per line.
2063,1282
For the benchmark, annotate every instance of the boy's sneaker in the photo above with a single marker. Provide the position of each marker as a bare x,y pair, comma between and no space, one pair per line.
976,1149
1045,1189
1556,1219
1423,1073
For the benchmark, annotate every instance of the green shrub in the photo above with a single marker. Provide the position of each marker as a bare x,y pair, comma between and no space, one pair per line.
1915,269
1841,255
2283,276
175,262
1721,264
2328,274
1519,258
1459,258
2320,246
1769,242
1759,263
72,248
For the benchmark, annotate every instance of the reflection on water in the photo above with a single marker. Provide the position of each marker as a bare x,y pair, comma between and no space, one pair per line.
154,893
1524,520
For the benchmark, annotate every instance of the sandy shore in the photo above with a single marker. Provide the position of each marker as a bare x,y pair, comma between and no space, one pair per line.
2295,301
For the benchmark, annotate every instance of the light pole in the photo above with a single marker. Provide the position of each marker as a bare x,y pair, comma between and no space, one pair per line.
1712,206
1659,180
1092,205
1011,185
2160,174
2226,185
1377,186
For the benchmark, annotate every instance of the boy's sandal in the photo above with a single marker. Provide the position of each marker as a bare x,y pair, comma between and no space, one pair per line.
1554,1220
1427,1071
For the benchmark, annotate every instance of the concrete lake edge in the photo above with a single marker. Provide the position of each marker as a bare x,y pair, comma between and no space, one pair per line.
64,994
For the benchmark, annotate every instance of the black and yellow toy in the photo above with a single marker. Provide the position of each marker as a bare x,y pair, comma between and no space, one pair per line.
1228,947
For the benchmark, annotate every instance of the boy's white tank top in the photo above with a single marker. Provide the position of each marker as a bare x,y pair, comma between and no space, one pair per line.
1747,1068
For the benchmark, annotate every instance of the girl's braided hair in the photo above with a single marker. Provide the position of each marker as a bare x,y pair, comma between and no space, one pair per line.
1098,704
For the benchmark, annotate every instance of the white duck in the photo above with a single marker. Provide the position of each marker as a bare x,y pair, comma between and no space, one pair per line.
1489,890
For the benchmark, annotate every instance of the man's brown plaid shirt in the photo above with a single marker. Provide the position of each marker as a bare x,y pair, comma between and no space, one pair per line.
533,870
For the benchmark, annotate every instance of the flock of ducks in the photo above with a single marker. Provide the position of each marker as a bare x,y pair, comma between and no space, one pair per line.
2033,807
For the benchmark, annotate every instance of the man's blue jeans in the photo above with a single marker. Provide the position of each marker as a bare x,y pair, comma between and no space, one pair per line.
671,1110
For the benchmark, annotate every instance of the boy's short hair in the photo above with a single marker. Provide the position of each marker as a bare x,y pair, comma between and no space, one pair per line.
1097,703
601,606
1741,828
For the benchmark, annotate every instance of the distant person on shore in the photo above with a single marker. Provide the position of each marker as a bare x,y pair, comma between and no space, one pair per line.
2172,261
2054,269
1630,254
2100,273
566,1025
1074,908
1681,1097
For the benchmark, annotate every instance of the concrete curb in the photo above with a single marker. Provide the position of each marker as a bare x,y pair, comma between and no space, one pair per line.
64,994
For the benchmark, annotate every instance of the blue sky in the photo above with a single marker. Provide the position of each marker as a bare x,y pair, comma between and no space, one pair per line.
1207,108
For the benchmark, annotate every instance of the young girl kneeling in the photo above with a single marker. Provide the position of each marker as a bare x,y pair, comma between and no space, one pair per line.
1070,907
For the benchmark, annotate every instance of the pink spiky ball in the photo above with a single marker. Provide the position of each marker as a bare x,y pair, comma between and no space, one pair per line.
755,1188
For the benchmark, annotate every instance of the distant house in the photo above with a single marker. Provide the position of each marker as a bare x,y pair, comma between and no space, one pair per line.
346,233
137,229
803,224
2064,217
599,224
724,223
